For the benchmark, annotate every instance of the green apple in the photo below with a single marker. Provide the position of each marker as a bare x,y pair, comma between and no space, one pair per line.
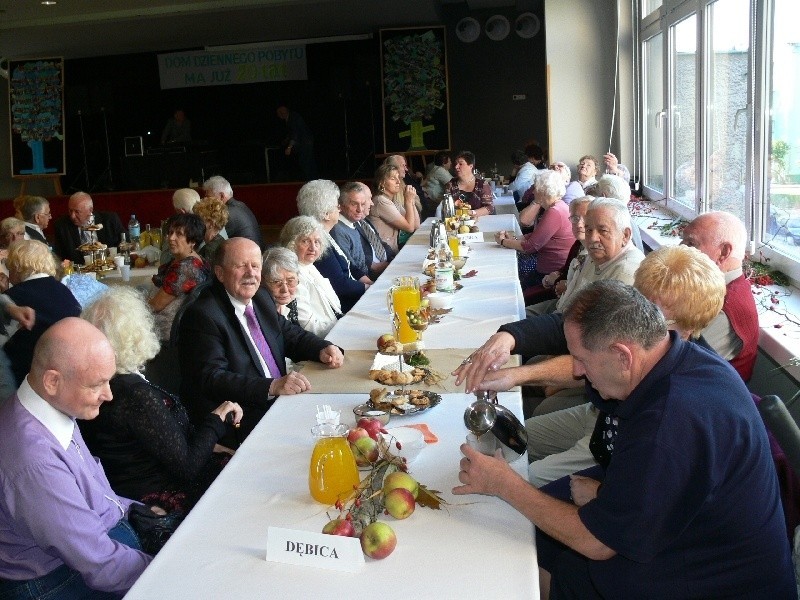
365,450
378,540
399,503
399,479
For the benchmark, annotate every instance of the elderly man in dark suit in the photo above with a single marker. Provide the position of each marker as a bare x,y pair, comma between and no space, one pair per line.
241,220
36,214
81,210
233,343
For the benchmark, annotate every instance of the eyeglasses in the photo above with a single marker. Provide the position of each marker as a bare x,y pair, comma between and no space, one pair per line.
577,218
291,282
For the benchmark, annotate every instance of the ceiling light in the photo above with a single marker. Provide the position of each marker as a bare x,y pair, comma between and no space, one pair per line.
49,2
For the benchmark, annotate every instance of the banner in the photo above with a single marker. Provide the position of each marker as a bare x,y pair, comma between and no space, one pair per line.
226,67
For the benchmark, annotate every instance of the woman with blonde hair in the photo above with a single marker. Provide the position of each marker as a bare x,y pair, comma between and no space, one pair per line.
394,211
31,271
215,216
148,447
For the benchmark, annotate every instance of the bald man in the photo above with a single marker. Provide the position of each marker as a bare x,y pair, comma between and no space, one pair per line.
81,211
234,344
62,527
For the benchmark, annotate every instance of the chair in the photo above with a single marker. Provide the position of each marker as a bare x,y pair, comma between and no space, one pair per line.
783,426
164,368
187,302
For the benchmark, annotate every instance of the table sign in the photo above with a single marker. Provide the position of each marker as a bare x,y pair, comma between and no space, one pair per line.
470,237
307,548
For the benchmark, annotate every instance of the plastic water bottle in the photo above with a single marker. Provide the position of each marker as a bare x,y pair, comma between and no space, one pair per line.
133,229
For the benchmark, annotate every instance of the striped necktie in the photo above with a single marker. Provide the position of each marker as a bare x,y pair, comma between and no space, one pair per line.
373,239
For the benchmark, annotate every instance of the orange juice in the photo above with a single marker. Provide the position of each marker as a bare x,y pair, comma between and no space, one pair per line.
403,298
452,241
333,471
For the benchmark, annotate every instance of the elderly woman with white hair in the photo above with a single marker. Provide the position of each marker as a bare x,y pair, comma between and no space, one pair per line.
319,199
280,276
31,271
544,249
320,307
148,447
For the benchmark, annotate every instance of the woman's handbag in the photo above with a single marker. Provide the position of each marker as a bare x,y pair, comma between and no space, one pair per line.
153,530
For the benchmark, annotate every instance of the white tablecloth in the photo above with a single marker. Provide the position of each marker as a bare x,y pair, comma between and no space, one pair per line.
490,299
475,547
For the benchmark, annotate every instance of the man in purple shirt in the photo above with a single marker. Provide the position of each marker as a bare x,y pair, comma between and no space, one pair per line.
61,525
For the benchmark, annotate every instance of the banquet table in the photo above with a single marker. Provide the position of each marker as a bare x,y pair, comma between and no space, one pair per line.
474,547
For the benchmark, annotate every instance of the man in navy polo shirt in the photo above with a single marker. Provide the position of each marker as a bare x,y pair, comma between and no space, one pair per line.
689,504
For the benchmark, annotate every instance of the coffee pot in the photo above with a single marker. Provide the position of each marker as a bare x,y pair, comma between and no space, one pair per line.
448,206
495,427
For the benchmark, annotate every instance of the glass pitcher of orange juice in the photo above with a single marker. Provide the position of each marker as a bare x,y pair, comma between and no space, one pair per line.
403,294
332,473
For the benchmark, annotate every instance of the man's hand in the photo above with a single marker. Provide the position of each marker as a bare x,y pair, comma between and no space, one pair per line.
501,380
582,489
611,163
489,357
331,356
24,314
481,474
292,383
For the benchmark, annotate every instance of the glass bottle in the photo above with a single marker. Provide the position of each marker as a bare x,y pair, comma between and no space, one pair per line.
145,239
133,229
124,248
333,473
443,273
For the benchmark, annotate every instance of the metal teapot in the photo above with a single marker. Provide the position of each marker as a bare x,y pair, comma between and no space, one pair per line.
496,427
448,206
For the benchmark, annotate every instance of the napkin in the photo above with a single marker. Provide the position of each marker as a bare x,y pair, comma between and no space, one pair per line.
428,435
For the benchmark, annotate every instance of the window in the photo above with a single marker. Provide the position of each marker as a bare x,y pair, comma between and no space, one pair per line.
720,97
781,225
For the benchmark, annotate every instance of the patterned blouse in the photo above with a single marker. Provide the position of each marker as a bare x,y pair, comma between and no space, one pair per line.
480,197
178,278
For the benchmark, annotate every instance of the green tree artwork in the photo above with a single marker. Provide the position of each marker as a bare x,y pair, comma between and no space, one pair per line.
415,83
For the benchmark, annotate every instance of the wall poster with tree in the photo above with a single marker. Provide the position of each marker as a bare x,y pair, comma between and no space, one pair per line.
416,103
36,107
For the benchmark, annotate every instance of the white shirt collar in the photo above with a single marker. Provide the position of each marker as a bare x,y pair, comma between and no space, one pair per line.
60,425
238,306
345,221
34,226
36,276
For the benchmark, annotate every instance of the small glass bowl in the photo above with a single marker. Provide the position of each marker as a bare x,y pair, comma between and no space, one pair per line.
365,410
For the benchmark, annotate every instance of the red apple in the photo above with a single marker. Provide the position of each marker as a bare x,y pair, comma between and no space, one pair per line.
341,527
399,503
398,479
373,427
378,540
385,340
365,450
356,434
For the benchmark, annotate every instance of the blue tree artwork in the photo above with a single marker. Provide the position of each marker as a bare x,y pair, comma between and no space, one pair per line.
36,109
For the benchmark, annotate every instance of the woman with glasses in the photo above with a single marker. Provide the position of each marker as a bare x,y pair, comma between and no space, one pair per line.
280,276
318,306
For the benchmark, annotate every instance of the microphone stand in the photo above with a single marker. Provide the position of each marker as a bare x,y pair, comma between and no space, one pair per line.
346,134
107,172
85,170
